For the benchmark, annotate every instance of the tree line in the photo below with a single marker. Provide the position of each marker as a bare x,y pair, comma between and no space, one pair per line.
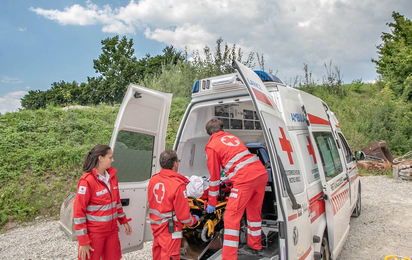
173,71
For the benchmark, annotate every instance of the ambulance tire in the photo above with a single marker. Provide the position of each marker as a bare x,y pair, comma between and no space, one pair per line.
325,250
358,209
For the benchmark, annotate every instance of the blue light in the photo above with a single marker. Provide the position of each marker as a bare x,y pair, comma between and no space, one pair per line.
196,87
264,76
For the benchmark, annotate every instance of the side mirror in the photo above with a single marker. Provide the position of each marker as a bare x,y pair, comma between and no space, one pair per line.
360,155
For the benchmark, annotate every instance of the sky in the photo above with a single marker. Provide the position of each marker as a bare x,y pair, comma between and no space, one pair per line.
46,41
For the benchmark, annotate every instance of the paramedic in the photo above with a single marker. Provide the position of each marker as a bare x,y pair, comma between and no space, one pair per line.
248,177
168,208
97,207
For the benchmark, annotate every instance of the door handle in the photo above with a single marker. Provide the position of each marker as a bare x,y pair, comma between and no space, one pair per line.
125,202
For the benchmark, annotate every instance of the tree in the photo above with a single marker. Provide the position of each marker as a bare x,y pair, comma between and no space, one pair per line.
395,56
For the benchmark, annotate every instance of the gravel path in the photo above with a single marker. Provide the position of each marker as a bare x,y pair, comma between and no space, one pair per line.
384,227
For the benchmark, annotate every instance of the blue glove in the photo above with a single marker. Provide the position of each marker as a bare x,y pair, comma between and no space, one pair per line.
210,208
196,217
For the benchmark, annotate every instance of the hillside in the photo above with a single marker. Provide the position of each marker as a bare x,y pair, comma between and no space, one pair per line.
42,153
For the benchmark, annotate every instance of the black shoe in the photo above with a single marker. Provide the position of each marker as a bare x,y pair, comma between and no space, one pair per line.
246,250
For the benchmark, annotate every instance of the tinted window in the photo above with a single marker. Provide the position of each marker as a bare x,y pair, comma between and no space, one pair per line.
133,153
329,154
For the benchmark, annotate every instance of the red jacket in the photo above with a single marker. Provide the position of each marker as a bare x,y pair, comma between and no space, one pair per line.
227,151
95,208
168,199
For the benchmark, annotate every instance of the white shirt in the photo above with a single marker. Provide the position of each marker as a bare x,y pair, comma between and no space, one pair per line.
105,178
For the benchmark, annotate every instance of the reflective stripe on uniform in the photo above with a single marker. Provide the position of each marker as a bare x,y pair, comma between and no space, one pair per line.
242,164
79,220
81,232
101,218
101,207
119,205
214,183
160,215
231,232
230,243
254,224
254,233
213,193
187,220
235,159
121,215
158,222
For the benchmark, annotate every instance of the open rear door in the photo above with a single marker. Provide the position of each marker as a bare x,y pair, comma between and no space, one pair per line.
294,223
138,139
332,172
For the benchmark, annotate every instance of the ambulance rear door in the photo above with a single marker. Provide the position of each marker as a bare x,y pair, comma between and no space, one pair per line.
293,215
138,139
332,172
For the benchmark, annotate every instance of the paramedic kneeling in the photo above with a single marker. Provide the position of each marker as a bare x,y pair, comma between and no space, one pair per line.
168,208
249,178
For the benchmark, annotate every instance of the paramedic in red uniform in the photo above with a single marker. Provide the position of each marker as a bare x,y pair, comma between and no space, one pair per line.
169,208
97,207
248,177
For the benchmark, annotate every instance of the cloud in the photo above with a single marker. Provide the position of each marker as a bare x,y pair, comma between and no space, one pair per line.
10,80
288,32
11,102
22,29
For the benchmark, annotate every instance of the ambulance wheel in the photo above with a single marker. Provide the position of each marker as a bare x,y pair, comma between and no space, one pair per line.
357,211
325,250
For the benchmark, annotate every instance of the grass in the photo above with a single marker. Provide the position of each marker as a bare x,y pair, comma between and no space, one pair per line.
42,153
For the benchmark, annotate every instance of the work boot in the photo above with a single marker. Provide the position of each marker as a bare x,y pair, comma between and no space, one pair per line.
246,250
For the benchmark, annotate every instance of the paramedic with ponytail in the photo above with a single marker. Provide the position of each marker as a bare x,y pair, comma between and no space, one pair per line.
97,207
169,208
248,176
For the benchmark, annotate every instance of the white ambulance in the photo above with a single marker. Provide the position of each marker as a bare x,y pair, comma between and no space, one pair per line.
314,186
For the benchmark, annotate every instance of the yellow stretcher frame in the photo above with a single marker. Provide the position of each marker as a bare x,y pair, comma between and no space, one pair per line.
394,257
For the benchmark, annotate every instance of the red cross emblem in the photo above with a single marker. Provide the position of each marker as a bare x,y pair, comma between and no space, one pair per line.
286,146
159,192
230,140
310,149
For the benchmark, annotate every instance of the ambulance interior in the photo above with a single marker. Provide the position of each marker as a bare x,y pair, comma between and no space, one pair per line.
239,118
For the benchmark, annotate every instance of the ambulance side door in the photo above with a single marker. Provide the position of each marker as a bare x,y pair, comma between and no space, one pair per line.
138,139
333,174
293,216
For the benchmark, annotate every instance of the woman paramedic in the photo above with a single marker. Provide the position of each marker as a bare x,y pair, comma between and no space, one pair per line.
97,207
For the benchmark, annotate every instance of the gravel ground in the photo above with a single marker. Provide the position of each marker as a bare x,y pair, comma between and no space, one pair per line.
384,227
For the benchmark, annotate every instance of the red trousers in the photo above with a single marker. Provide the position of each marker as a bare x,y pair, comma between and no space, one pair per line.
243,196
166,248
105,245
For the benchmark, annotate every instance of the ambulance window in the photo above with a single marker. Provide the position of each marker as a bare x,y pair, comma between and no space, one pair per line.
309,158
133,153
329,154
345,147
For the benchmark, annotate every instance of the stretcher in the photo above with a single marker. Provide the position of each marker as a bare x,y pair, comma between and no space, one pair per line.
207,234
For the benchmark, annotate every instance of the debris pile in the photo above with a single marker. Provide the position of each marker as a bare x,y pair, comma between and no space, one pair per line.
378,158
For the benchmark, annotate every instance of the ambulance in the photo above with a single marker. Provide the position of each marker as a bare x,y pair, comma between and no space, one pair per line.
313,187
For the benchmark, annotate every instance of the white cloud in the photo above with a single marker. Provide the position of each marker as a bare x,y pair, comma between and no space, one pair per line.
11,102
10,80
22,29
288,32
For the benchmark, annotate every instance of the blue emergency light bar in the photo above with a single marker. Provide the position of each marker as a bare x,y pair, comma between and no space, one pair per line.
196,87
264,76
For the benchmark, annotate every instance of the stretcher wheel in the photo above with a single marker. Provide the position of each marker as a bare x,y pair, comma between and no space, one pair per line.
204,236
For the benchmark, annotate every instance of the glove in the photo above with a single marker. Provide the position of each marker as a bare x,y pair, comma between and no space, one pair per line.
196,217
210,208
